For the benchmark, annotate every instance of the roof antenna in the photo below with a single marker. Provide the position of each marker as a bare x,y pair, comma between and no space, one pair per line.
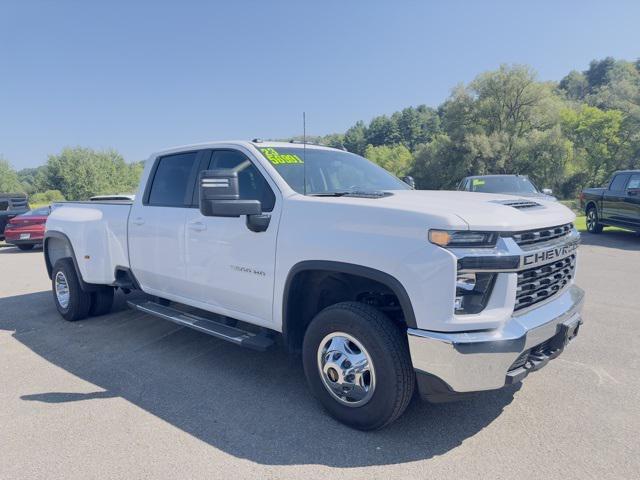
304,152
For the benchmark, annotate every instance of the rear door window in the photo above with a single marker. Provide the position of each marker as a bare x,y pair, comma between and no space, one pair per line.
172,180
618,182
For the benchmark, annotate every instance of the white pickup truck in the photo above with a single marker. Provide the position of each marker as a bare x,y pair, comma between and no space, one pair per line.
381,288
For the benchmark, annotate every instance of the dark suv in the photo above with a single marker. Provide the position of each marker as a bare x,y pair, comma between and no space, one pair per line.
11,204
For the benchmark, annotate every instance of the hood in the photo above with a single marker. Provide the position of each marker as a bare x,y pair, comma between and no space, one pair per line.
479,211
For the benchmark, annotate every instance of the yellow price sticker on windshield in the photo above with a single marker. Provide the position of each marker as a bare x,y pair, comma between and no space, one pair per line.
477,181
278,158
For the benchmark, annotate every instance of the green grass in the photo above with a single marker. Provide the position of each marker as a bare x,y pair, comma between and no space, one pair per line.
581,225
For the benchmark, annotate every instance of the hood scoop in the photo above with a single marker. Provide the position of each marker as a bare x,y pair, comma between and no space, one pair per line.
519,204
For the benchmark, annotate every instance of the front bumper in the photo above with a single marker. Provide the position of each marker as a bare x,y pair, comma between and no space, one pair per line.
451,363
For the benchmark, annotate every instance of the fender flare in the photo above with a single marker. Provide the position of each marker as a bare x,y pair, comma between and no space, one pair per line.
341,267
86,287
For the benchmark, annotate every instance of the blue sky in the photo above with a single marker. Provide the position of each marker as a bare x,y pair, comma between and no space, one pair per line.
141,76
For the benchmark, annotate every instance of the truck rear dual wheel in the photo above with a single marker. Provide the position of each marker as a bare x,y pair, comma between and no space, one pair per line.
72,302
357,365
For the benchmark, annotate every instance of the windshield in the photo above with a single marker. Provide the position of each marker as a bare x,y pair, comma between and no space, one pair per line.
329,171
503,185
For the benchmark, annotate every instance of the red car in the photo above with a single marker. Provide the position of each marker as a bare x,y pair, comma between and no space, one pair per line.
27,230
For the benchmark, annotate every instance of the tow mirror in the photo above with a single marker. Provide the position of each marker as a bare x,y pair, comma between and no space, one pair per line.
220,195
547,191
409,181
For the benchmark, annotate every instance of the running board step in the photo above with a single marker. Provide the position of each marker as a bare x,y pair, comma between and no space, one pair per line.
224,332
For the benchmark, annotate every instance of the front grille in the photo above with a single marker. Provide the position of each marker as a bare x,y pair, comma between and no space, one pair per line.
542,235
539,283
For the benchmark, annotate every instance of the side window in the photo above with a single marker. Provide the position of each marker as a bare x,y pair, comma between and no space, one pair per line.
634,183
618,182
252,184
172,179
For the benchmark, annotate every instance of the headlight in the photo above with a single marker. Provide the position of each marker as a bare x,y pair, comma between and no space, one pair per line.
472,292
463,238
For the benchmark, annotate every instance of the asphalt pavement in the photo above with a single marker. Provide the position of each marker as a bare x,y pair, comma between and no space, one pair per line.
130,396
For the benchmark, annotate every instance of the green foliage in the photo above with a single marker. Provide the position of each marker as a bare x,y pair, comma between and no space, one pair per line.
80,173
47,197
397,159
9,181
564,136
597,139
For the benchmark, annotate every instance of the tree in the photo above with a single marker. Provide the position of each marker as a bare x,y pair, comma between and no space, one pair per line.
598,139
9,182
397,159
80,173
355,138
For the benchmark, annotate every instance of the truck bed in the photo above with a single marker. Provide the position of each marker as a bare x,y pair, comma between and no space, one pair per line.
97,231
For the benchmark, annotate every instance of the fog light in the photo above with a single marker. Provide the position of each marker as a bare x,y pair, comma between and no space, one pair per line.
466,281
472,292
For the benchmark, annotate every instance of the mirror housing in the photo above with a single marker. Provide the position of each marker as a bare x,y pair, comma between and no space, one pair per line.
409,181
220,195
547,191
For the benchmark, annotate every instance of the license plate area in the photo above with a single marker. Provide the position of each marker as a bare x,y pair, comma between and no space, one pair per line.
25,236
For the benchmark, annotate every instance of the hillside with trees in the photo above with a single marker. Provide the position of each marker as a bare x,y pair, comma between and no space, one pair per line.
565,135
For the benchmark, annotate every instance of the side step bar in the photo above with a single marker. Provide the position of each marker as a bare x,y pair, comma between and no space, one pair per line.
224,332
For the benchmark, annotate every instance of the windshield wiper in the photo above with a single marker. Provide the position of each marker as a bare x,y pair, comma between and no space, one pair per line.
329,194
352,193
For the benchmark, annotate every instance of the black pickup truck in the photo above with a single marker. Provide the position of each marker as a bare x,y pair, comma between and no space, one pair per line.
11,204
617,204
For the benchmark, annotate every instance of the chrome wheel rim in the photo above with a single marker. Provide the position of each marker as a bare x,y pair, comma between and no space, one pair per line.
62,290
346,369
591,220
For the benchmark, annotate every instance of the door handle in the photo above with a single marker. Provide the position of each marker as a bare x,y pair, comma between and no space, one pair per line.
138,221
197,226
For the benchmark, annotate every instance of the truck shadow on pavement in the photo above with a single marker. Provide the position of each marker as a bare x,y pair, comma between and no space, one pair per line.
612,239
251,405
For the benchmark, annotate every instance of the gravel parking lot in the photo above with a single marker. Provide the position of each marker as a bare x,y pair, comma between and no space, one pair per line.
130,396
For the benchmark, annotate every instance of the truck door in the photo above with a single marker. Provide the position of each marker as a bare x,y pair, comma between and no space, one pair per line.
157,225
230,269
613,199
632,201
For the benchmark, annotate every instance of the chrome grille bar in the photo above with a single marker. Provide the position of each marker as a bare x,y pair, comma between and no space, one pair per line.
542,235
540,283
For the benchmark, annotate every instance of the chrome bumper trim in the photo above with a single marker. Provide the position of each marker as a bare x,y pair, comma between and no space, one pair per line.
474,361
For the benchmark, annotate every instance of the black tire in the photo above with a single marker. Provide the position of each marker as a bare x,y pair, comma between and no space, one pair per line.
26,246
387,346
79,302
593,225
101,301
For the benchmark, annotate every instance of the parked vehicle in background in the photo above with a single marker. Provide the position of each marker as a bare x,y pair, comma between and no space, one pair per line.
617,204
25,231
119,196
11,204
519,185
382,288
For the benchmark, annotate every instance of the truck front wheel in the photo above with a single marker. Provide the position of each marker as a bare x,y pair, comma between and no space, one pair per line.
71,301
593,225
357,364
